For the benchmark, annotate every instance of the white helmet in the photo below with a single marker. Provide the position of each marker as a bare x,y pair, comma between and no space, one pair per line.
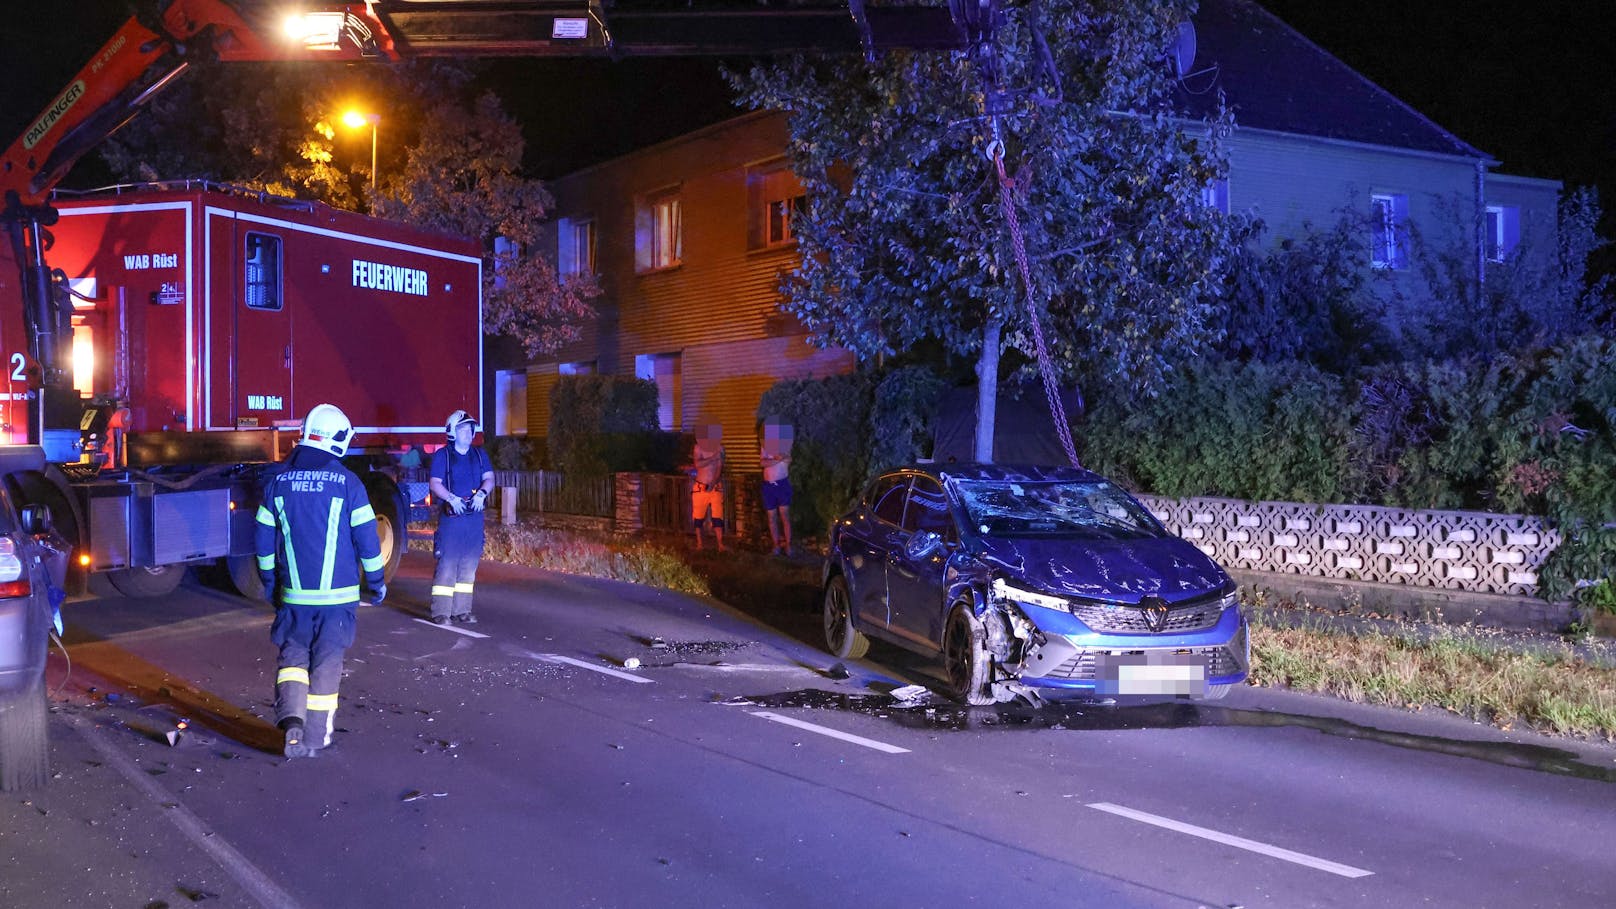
327,428
456,420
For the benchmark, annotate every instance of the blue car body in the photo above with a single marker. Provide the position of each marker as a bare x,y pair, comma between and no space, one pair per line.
1055,577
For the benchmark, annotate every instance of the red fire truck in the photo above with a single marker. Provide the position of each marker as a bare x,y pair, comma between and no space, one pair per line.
205,322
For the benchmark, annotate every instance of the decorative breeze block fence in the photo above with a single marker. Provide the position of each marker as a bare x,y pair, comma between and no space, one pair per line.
1476,552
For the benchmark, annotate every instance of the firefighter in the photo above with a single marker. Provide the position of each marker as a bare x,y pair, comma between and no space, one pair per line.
462,478
316,533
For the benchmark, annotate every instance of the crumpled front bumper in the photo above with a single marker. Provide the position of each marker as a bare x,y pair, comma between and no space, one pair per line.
1073,661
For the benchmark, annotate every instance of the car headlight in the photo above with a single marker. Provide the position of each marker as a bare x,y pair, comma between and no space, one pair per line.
1015,594
1230,600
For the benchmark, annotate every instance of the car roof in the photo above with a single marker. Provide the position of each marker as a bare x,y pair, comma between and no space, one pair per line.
1013,473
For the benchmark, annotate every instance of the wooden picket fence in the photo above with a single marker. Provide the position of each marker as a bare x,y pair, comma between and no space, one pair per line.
547,491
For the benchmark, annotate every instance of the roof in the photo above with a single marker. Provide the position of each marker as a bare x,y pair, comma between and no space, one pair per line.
1274,78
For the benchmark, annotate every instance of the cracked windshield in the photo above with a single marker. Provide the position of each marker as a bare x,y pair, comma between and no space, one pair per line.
1095,510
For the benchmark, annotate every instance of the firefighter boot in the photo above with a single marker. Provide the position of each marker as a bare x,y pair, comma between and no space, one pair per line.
295,746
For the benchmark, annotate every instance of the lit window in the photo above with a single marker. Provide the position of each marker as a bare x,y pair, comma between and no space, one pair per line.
1503,231
578,368
576,240
262,281
1216,195
510,402
658,232
1388,230
663,369
775,201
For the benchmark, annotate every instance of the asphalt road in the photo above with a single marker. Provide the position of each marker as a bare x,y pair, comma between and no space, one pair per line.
524,766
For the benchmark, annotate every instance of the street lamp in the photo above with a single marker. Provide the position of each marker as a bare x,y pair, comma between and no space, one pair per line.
354,119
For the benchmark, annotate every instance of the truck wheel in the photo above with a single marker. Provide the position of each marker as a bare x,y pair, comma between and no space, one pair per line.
390,527
141,583
244,576
24,740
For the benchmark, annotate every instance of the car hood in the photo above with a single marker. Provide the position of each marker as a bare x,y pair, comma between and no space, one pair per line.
1121,570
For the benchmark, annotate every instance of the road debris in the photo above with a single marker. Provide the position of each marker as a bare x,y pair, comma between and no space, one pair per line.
909,694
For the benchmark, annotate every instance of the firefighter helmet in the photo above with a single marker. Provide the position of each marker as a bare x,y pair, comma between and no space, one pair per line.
458,419
327,428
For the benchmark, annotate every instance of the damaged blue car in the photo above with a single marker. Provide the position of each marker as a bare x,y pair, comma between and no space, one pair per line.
1031,578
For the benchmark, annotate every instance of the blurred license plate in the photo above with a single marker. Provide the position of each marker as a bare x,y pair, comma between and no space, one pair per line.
1150,673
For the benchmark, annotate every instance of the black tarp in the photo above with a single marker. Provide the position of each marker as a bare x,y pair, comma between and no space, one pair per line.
1023,430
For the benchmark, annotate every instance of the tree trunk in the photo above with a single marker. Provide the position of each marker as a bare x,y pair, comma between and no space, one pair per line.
987,390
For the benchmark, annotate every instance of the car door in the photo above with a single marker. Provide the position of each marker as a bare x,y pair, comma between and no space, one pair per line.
880,534
916,568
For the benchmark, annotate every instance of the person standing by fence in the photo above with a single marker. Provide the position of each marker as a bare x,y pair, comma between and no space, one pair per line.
707,489
462,478
775,456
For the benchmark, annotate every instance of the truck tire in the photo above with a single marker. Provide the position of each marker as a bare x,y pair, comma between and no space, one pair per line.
24,738
391,530
143,583
244,576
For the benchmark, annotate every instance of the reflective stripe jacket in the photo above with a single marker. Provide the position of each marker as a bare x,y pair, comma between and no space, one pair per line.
316,531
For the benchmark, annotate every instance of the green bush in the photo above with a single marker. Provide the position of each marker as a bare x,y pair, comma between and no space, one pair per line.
1265,431
903,417
602,424
829,458
516,452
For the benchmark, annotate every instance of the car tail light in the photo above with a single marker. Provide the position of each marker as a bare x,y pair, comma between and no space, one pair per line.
13,579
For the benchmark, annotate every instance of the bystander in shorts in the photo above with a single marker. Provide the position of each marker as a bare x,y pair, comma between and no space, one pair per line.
776,494
707,501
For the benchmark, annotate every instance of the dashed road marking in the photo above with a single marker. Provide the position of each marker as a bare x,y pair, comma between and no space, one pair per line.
465,631
603,670
251,878
1231,840
827,731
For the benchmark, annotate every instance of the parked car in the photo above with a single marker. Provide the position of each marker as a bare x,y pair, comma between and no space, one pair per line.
1031,577
33,564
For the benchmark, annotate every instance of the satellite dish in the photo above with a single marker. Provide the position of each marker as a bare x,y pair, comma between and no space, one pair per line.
1183,51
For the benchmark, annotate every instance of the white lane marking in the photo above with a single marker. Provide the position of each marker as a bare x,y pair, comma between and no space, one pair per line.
833,733
1231,840
604,670
465,631
258,884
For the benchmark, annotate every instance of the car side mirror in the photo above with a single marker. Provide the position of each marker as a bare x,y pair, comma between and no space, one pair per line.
36,519
921,544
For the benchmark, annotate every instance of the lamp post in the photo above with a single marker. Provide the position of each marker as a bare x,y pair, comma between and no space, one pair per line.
355,119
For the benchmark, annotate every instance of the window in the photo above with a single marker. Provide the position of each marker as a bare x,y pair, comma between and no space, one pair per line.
506,253
261,285
1503,231
663,369
1216,195
576,241
658,232
887,498
775,201
510,402
577,368
1389,230
928,509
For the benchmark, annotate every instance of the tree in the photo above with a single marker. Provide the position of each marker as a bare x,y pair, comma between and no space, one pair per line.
904,240
450,160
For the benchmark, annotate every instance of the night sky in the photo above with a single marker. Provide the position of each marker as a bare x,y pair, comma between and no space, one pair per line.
1531,84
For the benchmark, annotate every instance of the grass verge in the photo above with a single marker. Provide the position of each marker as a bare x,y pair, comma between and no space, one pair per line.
634,561
1547,688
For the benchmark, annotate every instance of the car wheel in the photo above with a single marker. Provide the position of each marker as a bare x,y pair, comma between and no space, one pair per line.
24,745
141,583
965,656
843,640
